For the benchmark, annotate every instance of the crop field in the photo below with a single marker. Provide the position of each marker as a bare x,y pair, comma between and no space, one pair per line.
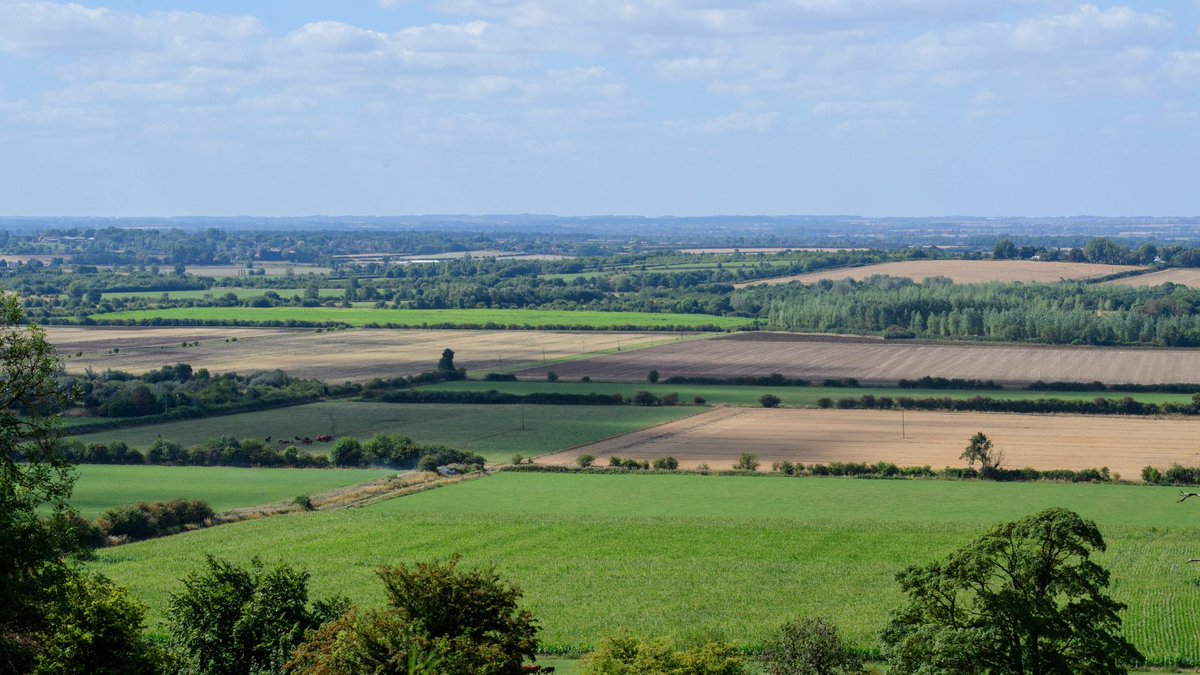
962,271
331,356
101,487
416,318
915,438
598,552
1189,277
792,397
494,431
817,357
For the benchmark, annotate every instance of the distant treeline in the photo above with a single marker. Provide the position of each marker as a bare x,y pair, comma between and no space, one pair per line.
1063,313
1096,406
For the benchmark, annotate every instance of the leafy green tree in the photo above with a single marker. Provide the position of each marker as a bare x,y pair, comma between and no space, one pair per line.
652,377
809,646
97,628
231,620
981,449
585,460
446,363
1004,249
347,452
769,401
747,461
1023,599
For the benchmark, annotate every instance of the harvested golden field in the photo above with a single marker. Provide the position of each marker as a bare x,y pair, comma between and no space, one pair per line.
961,271
870,360
1189,277
937,439
332,356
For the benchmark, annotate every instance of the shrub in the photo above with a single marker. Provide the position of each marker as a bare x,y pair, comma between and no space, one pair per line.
622,654
746,462
809,646
97,628
645,398
769,401
699,400
304,501
516,458
670,399
652,377
146,520
552,376
585,460
824,402
666,464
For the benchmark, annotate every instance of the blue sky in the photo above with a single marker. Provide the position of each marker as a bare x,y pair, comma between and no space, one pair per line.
679,107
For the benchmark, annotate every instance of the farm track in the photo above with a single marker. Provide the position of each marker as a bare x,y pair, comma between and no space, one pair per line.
917,438
875,361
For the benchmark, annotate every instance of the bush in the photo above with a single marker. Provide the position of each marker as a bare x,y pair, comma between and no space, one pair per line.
824,402
809,646
746,462
304,501
622,654
666,464
699,400
645,398
585,460
652,377
147,520
769,401
97,628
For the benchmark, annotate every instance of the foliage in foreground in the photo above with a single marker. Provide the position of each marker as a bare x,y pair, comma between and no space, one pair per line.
809,646
623,654
1025,597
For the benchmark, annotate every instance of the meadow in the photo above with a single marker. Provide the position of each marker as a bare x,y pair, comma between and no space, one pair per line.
693,556
334,355
101,487
494,431
791,397
1124,444
961,271
876,361
416,318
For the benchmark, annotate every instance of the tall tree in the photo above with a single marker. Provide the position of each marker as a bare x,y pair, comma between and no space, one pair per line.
1023,599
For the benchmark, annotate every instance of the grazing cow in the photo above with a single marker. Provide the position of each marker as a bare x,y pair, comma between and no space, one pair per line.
268,439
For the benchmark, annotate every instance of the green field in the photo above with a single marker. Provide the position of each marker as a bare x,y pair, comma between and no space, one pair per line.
100,487
494,431
241,293
416,318
731,557
798,397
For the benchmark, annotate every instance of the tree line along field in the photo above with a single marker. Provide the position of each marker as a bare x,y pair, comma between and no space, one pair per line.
362,316
102,487
869,360
216,292
331,356
693,556
494,431
915,438
790,396
961,271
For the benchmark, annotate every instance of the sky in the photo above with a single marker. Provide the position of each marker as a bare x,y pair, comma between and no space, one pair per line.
580,107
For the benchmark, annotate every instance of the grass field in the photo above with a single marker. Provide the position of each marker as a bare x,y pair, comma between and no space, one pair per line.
793,397
702,555
915,438
100,487
335,355
493,431
524,318
961,271
875,361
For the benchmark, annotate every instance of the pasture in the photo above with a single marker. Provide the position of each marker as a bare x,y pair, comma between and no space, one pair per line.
961,271
791,397
101,487
494,431
876,361
331,356
417,318
915,438
1184,276
694,556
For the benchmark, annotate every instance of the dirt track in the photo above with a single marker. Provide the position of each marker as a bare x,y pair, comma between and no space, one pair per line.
331,356
880,361
717,437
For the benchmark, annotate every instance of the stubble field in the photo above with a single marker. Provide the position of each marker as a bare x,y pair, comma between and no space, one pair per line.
1123,444
961,271
816,357
1189,277
331,356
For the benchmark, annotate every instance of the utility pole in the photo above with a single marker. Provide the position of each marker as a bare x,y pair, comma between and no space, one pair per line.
522,415
903,433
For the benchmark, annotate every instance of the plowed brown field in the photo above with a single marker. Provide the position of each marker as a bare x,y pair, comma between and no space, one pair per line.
884,362
717,437
332,356
1185,277
961,271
